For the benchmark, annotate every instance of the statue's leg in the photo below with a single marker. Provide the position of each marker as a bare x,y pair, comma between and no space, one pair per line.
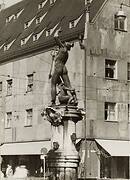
54,81
65,77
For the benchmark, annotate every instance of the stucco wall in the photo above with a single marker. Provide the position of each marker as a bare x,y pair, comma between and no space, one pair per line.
104,42
21,100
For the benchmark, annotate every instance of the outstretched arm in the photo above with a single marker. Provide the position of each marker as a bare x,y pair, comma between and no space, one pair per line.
58,42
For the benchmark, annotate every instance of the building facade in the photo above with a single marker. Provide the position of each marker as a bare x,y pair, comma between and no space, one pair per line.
99,70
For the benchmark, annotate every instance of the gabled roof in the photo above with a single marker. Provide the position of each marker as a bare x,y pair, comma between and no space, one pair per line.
57,17
95,8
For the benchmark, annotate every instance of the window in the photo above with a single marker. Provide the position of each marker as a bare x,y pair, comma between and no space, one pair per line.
48,32
30,83
26,25
7,19
110,68
128,71
110,111
0,87
120,23
129,113
35,37
52,2
72,24
38,20
40,6
8,120
23,41
9,87
29,117
16,16
5,47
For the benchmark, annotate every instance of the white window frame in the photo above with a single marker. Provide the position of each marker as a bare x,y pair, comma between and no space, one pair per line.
26,25
8,120
110,111
1,87
128,71
40,5
35,37
48,32
29,117
118,21
23,42
38,20
109,68
30,82
71,24
9,87
128,113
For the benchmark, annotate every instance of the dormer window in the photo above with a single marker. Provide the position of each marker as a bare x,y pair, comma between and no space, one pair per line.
52,2
48,32
5,47
7,20
35,37
40,6
15,16
120,21
18,14
26,25
72,24
38,20
23,42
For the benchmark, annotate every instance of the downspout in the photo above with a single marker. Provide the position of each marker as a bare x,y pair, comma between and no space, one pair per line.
84,48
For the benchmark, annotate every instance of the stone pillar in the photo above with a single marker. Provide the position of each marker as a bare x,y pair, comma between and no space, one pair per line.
63,161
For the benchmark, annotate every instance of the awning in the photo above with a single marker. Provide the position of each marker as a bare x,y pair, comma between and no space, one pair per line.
115,147
28,148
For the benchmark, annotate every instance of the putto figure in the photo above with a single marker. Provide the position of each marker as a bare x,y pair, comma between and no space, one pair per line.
60,73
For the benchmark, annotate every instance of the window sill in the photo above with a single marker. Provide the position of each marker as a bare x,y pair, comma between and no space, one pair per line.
27,125
7,127
111,121
121,30
107,78
8,95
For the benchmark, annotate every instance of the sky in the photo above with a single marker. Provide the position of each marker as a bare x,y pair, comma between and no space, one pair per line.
9,2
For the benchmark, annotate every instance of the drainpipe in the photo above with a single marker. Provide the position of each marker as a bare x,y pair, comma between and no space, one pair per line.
83,47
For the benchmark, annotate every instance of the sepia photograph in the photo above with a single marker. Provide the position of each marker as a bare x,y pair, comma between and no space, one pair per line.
64,89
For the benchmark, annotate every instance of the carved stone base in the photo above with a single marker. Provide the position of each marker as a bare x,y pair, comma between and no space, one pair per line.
62,167
63,161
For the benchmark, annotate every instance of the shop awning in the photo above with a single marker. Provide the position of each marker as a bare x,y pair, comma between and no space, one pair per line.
26,148
115,147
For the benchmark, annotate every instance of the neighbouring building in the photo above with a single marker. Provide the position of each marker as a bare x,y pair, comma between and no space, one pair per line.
99,70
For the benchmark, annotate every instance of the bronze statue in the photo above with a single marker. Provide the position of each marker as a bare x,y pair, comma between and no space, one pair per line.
67,96
60,73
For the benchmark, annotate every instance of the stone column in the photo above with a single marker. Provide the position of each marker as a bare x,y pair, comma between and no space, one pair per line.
63,161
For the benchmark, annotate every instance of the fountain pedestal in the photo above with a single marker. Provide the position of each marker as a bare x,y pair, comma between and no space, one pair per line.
63,158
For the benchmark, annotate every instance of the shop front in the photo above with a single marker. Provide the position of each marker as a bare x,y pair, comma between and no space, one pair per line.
104,159
27,155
